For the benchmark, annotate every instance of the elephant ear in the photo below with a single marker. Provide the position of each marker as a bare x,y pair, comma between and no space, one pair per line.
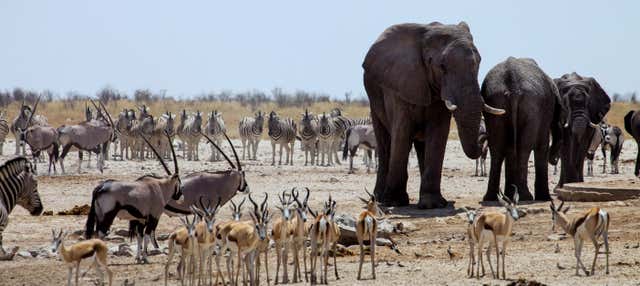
599,101
395,63
627,122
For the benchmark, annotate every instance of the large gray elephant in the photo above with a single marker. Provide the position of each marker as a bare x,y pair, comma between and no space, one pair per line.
632,125
416,76
531,100
584,104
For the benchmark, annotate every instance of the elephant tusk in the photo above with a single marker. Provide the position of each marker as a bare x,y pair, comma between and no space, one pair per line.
452,107
593,125
492,110
566,125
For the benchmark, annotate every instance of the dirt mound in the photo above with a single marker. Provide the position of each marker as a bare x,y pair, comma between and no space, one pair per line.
76,210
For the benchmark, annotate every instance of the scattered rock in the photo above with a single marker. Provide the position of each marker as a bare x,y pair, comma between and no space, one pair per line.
76,210
47,213
556,237
25,254
154,252
525,282
121,232
628,246
333,180
114,239
163,237
79,232
121,250
557,250
560,267
533,211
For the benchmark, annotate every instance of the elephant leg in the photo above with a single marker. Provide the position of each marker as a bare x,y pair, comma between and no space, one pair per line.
637,168
438,130
383,147
395,193
542,173
495,171
522,171
511,165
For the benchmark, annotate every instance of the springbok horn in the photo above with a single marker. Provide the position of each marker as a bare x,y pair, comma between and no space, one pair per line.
492,110
202,203
561,204
219,149
235,154
255,205
241,203
215,209
233,205
452,107
164,165
264,203
306,198
370,195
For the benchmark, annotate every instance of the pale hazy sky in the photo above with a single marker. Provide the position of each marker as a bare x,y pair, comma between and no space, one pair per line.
189,47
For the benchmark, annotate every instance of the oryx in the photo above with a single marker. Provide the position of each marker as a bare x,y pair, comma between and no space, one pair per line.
39,138
141,202
20,123
211,184
92,136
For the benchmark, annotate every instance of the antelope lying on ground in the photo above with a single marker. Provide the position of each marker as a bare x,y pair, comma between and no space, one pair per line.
84,249
367,229
588,226
498,226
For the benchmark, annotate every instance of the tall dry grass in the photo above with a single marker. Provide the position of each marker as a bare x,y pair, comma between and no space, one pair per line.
60,112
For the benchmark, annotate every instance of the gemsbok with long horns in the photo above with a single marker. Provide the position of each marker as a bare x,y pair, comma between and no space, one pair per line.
41,137
22,122
141,202
93,136
211,185
588,226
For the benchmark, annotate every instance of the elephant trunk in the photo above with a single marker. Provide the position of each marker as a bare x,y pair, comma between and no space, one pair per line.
468,131
461,96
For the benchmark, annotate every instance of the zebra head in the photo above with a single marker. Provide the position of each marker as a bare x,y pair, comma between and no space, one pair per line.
335,112
147,124
273,122
29,198
170,123
259,121
124,121
325,126
197,122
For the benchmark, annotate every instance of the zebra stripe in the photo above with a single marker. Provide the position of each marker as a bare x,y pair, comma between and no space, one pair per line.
13,175
214,129
309,136
4,131
283,132
250,131
330,133
191,132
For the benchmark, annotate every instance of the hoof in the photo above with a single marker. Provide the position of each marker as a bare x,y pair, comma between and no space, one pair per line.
435,201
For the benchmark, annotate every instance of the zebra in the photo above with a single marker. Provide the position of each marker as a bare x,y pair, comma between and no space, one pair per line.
124,123
483,141
329,132
191,135
250,130
143,126
18,185
283,132
164,123
4,130
20,123
214,129
309,136
614,139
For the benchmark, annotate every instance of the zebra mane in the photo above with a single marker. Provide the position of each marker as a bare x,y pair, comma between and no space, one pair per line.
14,166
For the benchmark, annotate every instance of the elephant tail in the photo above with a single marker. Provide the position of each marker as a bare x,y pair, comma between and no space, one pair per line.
514,116
345,150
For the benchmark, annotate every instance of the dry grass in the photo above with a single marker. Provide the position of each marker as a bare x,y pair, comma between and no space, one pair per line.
618,111
58,114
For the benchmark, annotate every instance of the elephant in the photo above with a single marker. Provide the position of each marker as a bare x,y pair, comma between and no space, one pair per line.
531,100
632,126
416,76
584,104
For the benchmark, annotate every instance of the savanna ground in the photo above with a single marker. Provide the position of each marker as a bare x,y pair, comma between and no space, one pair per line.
424,261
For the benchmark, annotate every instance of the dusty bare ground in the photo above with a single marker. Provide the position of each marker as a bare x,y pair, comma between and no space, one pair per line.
424,261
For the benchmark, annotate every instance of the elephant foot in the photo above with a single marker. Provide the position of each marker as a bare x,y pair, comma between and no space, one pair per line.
525,195
490,197
394,199
432,201
543,196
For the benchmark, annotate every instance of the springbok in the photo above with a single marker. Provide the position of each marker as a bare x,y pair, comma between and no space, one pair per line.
141,202
367,229
324,231
472,240
281,235
205,233
263,246
185,238
72,255
498,226
299,233
587,226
